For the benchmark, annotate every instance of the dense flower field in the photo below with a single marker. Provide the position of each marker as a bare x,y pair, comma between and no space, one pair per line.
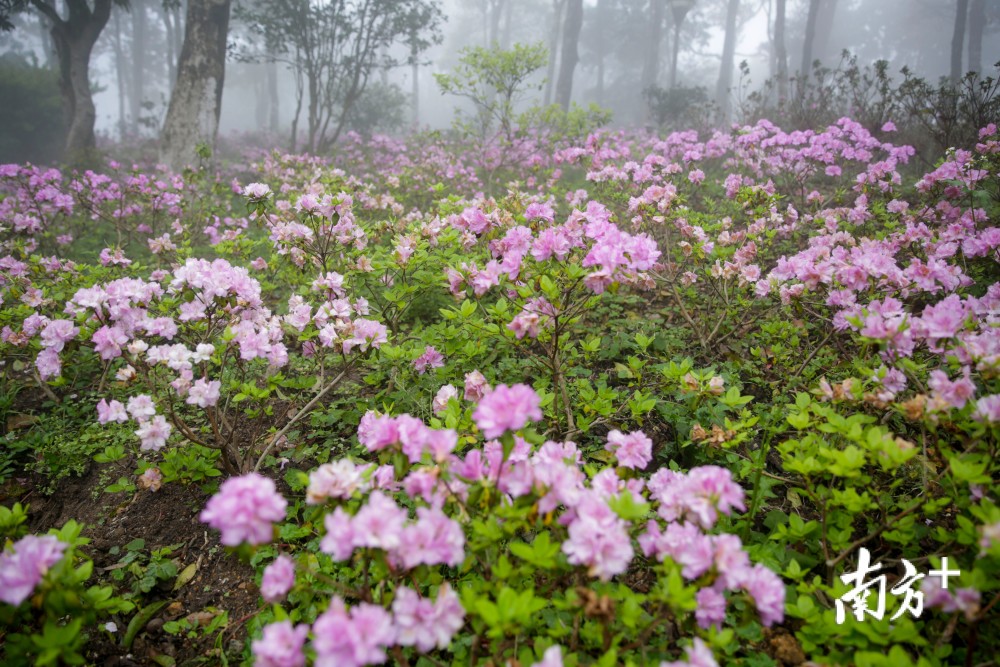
618,399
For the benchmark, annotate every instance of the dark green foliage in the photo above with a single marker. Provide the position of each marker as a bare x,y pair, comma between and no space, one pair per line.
32,128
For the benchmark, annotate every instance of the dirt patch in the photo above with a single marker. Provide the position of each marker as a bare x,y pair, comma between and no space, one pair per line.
221,582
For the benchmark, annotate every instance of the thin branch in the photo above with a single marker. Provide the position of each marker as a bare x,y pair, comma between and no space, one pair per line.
299,415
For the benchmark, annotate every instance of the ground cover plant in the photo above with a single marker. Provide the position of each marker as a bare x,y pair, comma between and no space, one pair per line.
581,397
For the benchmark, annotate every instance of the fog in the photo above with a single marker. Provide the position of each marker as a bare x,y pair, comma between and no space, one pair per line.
621,53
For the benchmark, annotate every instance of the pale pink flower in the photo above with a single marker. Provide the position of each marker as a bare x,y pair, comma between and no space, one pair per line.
278,579
476,386
204,393
111,412
281,645
507,409
154,433
22,567
444,394
352,639
339,479
431,358
551,658
633,450
245,509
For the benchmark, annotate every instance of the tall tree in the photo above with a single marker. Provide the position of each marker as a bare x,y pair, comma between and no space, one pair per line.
824,27
496,12
977,19
332,48
807,42
508,18
196,100
138,58
654,39
726,66
555,27
73,38
957,38
602,48
119,50
679,10
569,56
780,51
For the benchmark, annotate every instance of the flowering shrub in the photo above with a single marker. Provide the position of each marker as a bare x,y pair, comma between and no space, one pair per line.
496,535
645,406
48,610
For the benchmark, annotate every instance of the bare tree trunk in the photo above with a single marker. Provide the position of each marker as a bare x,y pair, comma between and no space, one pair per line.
977,18
780,51
554,30
569,56
120,75
139,46
824,26
486,22
654,36
602,49
273,100
74,39
675,52
178,32
496,11
260,97
415,91
957,37
508,29
168,25
807,42
726,67
46,39
196,101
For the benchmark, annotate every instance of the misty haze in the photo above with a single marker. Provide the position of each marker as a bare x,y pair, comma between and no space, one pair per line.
500,333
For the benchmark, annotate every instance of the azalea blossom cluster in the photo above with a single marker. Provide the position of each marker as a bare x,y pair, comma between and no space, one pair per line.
360,635
339,323
37,200
23,565
309,227
438,483
612,255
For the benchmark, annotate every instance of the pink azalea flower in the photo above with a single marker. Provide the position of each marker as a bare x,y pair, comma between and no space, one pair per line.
711,608
281,645
379,523
204,393
154,433
551,658
633,450
431,358
434,539
352,639
507,409
22,567
339,479
245,509
111,412
599,539
339,540
698,655
425,624
444,394
476,386
768,593
278,579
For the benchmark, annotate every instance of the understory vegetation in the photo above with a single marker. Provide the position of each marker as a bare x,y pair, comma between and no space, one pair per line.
533,392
